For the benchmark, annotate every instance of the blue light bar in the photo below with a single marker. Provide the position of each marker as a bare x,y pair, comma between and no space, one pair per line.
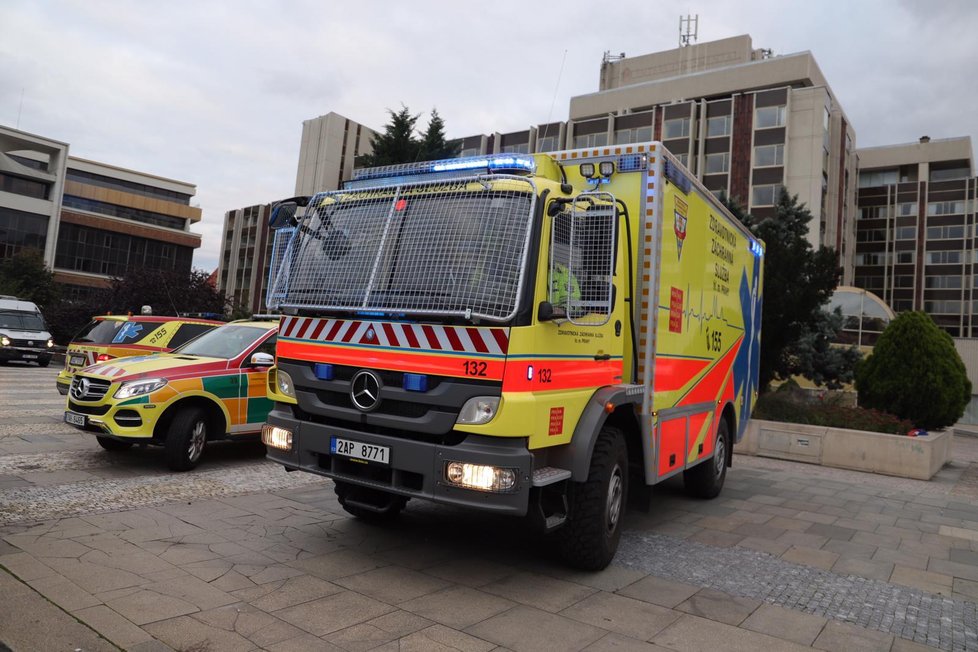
492,163
756,248
675,174
323,371
416,382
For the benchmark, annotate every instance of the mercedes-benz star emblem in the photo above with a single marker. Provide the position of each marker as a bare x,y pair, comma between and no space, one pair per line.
365,390
81,390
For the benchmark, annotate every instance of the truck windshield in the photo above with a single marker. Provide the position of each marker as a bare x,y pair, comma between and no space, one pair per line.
21,321
454,248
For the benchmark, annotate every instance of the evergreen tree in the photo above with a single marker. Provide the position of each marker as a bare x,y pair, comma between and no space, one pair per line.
915,373
397,144
798,282
433,143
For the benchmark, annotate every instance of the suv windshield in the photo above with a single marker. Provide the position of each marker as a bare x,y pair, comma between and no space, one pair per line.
223,342
447,248
21,321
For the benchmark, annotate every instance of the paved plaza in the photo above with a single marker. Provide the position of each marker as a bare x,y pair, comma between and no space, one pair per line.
104,551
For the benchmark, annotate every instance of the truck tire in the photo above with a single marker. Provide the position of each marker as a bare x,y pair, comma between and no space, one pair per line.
43,363
596,507
186,438
705,480
353,496
110,444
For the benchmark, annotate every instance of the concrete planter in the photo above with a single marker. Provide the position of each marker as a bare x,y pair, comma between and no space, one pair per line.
906,457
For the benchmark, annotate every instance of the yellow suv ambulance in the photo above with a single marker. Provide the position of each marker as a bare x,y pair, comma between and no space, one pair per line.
119,336
213,387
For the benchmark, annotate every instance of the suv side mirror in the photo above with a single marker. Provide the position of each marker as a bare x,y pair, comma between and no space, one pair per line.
262,360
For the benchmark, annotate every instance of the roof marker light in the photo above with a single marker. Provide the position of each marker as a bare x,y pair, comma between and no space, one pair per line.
500,163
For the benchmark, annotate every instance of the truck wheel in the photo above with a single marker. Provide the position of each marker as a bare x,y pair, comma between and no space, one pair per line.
110,444
596,507
705,480
186,438
43,363
354,499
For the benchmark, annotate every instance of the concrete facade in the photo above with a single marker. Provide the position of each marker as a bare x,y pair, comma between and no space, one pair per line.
32,177
915,230
246,252
328,151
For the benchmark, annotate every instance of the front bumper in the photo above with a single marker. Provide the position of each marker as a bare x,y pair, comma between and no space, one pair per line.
416,468
127,421
24,354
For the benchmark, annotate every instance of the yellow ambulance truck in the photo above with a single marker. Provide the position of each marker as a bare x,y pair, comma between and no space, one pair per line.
522,334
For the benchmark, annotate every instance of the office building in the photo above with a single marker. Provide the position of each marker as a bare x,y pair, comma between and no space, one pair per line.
93,221
246,252
915,230
328,151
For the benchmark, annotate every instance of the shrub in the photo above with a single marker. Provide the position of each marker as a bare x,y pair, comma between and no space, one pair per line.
790,405
915,373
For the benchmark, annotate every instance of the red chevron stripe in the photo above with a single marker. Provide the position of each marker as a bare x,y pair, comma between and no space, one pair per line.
453,339
477,341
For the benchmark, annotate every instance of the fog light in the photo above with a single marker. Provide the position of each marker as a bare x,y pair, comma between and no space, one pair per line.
276,437
606,168
480,477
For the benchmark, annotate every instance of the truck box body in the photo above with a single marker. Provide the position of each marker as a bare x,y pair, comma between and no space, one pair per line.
462,317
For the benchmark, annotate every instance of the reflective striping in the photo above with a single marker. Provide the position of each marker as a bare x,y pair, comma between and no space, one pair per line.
431,337
393,359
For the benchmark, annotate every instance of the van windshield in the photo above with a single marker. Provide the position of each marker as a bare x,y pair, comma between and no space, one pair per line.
21,321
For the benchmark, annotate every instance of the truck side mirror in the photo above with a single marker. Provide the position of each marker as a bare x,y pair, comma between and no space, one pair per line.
545,311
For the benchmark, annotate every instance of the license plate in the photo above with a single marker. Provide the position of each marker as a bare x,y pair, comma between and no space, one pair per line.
29,356
360,451
74,418
76,360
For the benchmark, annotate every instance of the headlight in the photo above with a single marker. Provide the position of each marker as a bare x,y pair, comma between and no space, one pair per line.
481,477
4,340
276,437
139,387
478,410
283,383
50,343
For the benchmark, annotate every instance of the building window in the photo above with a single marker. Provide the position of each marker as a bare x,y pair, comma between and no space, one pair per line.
21,230
21,186
906,257
906,233
125,212
871,235
683,160
721,125
718,163
945,232
944,258
902,305
906,209
675,128
945,208
591,140
768,155
949,174
84,249
92,179
767,195
522,148
943,282
873,283
636,135
943,307
766,117
870,258
548,144
878,178
903,281
471,151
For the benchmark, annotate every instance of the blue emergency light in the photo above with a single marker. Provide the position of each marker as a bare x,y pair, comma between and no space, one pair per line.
323,371
416,382
443,169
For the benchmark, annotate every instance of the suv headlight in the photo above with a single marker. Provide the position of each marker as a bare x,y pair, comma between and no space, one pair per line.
139,387
478,410
50,343
4,340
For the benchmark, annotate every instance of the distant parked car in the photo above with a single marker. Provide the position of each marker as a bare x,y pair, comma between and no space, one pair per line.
23,334
213,387
117,336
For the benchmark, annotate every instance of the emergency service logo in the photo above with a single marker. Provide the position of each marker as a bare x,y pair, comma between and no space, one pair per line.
682,209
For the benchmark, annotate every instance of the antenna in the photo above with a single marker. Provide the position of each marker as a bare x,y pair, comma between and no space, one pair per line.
21,108
560,74
611,58
688,29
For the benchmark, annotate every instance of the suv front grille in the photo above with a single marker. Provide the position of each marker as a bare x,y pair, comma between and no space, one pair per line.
85,388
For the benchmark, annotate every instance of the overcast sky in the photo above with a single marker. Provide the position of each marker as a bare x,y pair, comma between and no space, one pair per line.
214,93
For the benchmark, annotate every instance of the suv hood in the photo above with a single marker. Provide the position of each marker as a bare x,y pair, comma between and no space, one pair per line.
164,365
15,334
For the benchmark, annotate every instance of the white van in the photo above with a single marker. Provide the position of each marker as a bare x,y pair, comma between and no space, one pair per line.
23,334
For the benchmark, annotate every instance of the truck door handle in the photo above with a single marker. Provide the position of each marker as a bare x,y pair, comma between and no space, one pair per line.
603,356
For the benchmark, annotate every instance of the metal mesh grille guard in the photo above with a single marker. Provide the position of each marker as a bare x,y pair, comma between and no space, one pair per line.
450,248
